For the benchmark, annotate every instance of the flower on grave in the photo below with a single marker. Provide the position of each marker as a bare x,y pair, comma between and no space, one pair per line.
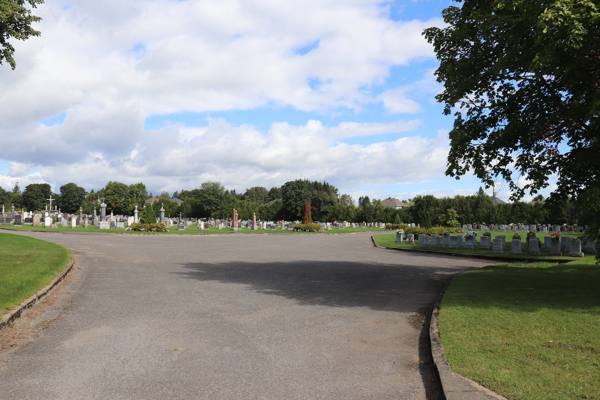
400,232
410,240
531,235
516,235
470,235
446,233
555,236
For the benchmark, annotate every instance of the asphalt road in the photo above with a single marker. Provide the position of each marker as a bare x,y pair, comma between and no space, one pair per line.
234,317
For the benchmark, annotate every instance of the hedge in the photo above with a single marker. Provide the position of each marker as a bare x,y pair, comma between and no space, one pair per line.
308,227
160,227
438,230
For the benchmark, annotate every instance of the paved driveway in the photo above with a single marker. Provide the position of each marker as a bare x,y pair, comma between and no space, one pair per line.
234,317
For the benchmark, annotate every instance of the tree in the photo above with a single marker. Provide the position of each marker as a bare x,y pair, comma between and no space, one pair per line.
525,75
295,195
35,196
256,194
148,216
71,197
119,198
15,22
275,193
16,189
450,219
203,202
346,200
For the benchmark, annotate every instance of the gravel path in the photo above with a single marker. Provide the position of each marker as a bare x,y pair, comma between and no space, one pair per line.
234,317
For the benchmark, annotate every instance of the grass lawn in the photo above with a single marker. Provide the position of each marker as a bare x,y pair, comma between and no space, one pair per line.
526,332
190,230
26,266
390,241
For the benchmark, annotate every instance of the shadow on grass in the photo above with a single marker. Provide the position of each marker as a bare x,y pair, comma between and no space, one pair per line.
525,289
380,287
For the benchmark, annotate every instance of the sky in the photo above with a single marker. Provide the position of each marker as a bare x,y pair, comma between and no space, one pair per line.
245,92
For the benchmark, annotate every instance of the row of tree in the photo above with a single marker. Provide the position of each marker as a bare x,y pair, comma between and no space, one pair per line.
211,199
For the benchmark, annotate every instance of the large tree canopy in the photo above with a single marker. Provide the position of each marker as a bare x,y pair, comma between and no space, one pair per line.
15,22
525,78
71,197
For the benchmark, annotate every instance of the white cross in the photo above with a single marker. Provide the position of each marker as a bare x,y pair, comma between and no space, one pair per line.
51,200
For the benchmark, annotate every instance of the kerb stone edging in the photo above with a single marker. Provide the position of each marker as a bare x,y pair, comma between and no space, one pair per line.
36,297
454,386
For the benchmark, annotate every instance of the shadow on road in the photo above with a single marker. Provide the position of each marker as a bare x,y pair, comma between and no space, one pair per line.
381,287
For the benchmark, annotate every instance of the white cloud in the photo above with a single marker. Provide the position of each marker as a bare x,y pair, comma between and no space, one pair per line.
179,157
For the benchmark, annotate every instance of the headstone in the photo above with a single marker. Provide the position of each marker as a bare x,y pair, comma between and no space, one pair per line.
589,246
544,228
446,240
17,219
533,248
47,222
64,223
532,228
454,243
103,223
470,242
498,245
37,220
85,223
565,247
162,213
485,242
575,248
547,241
399,238
254,226
515,247
410,238
424,240
554,249
136,217
73,222
201,225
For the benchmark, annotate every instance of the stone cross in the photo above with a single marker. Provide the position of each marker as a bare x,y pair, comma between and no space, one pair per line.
50,200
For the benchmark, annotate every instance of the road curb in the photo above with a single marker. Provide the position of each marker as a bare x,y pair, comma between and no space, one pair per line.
454,386
36,297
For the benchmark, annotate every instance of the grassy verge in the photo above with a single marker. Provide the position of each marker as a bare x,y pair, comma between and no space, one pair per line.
390,241
26,266
526,332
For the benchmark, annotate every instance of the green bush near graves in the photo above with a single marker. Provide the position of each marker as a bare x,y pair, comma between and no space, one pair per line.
26,266
139,227
415,230
526,331
308,227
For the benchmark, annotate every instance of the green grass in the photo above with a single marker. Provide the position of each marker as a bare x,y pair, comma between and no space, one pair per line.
526,332
26,266
190,230
390,241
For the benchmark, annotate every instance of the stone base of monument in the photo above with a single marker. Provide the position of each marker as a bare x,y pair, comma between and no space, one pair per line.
181,227
103,225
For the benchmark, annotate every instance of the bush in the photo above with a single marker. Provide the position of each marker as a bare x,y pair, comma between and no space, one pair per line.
308,227
160,227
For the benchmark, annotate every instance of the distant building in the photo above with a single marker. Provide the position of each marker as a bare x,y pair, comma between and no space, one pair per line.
178,201
394,203
496,200
152,200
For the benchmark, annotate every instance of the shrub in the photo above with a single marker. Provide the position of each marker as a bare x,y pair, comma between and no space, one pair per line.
307,227
160,227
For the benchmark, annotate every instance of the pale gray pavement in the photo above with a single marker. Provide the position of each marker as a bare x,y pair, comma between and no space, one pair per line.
234,317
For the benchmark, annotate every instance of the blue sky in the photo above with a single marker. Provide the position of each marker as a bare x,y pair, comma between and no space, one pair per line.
248,93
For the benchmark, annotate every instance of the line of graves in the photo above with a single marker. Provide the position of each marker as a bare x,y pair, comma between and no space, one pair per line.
554,245
54,218
523,227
